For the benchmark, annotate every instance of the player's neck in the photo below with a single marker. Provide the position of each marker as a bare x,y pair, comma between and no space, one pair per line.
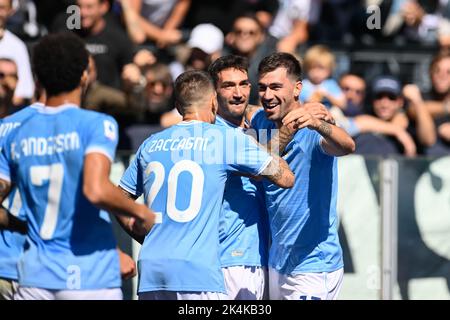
199,116
236,121
73,97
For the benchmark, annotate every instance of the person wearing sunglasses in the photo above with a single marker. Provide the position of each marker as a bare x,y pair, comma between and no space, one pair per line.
367,129
249,39
390,130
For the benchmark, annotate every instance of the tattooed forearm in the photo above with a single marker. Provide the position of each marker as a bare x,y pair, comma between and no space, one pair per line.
277,145
324,129
274,171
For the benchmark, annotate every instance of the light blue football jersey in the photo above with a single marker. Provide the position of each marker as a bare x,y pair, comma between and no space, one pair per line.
70,244
244,231
303,220
11,243
182,172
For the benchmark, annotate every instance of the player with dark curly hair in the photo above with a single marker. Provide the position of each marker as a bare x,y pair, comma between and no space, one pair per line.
59,159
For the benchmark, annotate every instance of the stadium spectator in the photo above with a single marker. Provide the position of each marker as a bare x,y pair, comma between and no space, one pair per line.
103,98
354,88
24,21
13,48
418,25
206,42
356,123
438,101
107,43
248,38
8,85
414,20
388,106
290,25
155,20
150,92
319,86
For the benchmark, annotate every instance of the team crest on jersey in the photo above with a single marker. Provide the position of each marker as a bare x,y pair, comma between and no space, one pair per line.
110,130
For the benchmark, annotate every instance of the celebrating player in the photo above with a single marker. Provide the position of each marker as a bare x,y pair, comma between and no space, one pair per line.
182,172
59,159
305,258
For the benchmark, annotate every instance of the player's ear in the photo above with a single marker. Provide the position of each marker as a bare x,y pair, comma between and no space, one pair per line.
214,103
297,89
179,108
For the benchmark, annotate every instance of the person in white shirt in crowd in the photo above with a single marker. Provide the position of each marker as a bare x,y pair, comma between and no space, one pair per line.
15,49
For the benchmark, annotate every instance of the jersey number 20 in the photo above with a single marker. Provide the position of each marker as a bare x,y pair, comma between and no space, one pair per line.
198,179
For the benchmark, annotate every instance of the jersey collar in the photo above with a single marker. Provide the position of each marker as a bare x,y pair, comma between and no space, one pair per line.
41,108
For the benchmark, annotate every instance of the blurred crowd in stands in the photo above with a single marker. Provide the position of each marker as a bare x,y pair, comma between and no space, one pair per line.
388,86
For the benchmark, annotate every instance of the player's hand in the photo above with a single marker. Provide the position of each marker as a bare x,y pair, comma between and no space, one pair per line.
319,111
300,118
127,265
141,226
407,142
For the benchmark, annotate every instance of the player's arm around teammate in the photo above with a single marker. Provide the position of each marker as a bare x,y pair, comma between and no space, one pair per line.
102,193
7,220
284,135
129,224
335,142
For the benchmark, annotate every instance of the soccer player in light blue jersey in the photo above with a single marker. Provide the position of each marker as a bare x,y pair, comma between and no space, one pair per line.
181,172
305,257
12,242
244,232
59,159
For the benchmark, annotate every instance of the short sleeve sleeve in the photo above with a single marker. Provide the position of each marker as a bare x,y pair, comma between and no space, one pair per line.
5,172
309,141
103,137
247,156
132,179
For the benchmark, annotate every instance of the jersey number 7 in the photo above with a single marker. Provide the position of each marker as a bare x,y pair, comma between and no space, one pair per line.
55,174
